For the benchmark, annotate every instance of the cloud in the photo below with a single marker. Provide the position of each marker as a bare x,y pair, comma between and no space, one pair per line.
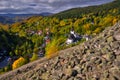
39,6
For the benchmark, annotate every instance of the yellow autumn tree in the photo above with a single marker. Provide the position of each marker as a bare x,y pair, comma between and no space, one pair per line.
108,20
62,23
4,27
114,11
114,21
51,49
19,62
87,26
77,22
97,30
16,27
55,20
88,32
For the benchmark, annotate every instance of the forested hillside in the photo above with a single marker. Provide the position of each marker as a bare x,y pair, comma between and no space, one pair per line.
25,41
102,10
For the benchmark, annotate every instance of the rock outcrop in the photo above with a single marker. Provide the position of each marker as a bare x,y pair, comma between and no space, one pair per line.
96,59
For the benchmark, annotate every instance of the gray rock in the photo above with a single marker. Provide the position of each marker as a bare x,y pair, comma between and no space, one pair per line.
68,71
106,74
118,57
116,73
117,52
71,78
117,63
117,36
110,39
65,78
74,73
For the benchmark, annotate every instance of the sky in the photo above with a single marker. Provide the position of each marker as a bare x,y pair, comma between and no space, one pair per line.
40,6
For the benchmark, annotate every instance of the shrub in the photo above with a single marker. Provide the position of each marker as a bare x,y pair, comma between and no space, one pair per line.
2,70
7,68
19,62
34,57
11,54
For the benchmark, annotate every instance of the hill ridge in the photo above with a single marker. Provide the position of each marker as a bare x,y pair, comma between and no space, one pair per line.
98,58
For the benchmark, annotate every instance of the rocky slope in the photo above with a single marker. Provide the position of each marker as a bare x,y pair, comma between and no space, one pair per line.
96,59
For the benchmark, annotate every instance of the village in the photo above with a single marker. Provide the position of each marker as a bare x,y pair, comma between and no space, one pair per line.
72,38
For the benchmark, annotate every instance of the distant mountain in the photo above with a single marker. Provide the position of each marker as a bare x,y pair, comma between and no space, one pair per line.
17,15
5,19
46,14
12,18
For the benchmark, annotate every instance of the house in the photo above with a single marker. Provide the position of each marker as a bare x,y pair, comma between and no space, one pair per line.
73,37
30,32
69,41
39,32
47,39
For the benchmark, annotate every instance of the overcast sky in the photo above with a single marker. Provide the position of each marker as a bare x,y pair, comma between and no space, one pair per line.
39,6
